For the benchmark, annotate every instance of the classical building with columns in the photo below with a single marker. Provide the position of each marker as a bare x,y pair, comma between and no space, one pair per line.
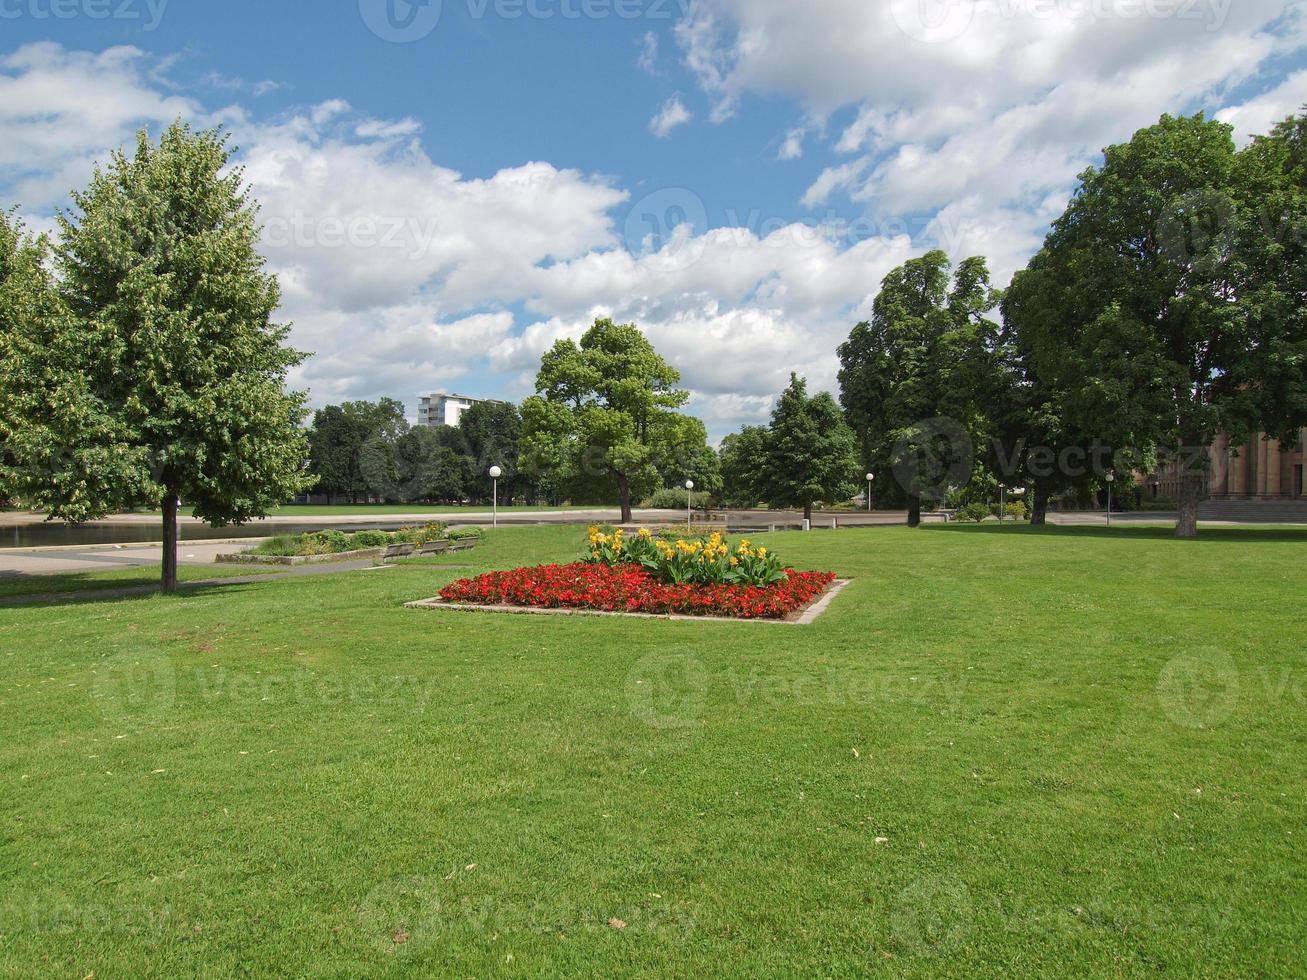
1260,469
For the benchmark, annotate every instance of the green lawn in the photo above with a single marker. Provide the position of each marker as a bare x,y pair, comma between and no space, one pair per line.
118,578
1001,752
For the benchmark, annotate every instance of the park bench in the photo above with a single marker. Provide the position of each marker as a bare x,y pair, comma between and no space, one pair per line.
434,548
399,550
464,544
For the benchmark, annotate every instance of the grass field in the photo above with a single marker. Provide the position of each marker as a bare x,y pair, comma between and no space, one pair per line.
1001,752
118,578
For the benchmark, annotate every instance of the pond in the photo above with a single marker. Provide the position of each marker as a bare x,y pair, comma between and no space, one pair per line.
40,534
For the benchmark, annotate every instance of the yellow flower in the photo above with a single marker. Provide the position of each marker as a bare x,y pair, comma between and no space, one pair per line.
735,562
644,533
762,552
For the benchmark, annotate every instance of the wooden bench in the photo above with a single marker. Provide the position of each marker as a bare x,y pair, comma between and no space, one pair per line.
464,544
434,548
399,550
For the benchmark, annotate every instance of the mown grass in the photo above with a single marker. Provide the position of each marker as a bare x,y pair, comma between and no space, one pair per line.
118,578
1001,752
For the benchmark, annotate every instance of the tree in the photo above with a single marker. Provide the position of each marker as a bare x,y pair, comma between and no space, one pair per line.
337,436
810,451
605,411
743,457
166,377
915,380
1167,313
28,311
492,432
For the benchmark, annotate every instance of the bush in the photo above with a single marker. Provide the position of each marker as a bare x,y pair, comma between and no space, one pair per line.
673,498
466,533
433,531
1016,510
974,512
370,539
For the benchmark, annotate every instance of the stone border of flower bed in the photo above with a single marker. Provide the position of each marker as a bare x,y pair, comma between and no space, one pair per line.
805,616
245,558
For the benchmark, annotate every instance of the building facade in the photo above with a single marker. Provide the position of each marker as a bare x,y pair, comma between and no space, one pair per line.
1260,469
440,409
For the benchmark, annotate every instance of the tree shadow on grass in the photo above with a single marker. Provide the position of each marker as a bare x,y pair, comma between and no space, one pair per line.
126,592
1206,533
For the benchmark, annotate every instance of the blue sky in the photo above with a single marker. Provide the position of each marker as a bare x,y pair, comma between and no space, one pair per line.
446,199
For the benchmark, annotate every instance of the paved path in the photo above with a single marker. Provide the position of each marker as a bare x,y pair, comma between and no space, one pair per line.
99,558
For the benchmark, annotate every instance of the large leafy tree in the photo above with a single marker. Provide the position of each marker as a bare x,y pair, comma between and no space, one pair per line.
166,377
492,432
337,438
927,357
810,452
605,413
743,458
1161,308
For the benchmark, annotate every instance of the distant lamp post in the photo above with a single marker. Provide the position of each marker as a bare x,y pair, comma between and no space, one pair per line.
871,478
495,474
1111,478
689,504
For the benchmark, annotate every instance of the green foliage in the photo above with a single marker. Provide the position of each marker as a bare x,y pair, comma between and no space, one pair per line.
974,512
605,413
809,453
1016,510
492,433
336,440
371,539
466,534
743,461
706,560
928,352
674,498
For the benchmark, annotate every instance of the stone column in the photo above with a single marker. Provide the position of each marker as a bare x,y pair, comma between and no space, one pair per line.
1273,487
1239,471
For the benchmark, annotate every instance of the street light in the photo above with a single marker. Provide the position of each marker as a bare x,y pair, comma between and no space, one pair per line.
871,477
1111,478
495,474
689,505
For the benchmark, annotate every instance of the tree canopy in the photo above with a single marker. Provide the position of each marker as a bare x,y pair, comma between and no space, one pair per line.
163,375
605,412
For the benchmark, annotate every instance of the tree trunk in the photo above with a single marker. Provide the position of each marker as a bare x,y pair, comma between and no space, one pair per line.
1039,509
1191,494
169,582
624,487
914,512
807,513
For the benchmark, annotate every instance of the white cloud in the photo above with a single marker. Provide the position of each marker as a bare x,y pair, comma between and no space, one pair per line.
792,146
648,60
982,114
672,114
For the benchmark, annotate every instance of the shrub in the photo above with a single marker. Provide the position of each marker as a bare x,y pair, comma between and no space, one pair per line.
974,512
702,561
370,539
685,532
673,498
432,531
466,533
1016,510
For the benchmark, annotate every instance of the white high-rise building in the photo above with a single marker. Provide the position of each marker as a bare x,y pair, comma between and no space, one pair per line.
438,410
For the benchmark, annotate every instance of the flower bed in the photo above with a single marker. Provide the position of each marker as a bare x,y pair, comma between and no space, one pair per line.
632,589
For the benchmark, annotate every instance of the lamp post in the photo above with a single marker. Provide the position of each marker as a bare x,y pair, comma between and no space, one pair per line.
1002,503
495,474
871,478
689,504
1111,478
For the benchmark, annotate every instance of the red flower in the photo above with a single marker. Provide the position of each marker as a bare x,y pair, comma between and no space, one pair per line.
630,588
